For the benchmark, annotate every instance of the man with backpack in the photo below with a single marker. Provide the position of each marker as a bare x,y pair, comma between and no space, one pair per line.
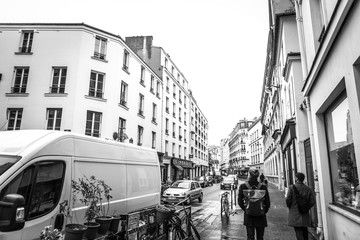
299,199
254,200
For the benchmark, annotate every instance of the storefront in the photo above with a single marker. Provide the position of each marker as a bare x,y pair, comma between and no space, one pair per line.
181,168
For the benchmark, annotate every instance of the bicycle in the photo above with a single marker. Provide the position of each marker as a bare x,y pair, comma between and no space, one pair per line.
225,206
176,230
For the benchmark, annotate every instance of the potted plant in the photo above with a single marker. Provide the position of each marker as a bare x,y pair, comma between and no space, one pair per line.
73,231
103,218
50,233
91,192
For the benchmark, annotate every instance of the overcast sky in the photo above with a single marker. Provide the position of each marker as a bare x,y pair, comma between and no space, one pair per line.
219,45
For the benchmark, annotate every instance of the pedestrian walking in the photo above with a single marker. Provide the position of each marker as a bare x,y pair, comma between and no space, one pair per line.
262,178
256,209
299,218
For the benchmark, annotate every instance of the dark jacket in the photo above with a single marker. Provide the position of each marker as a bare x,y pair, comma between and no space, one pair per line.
295,218
252,220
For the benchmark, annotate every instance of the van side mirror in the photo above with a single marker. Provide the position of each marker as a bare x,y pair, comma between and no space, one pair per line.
12,212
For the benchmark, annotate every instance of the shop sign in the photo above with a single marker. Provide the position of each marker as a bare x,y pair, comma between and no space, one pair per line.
181,162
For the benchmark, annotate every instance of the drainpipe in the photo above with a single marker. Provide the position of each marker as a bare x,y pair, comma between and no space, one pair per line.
319,229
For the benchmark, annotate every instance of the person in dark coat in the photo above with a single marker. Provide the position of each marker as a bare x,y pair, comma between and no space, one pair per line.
254,223
300,221
262,178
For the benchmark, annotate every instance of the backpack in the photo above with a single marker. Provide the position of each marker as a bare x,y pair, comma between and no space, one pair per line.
254,200
303,203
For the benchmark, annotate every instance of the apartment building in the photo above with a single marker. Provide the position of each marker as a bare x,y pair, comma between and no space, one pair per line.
329,34
239,153
75,77
256,146
224,155
184,138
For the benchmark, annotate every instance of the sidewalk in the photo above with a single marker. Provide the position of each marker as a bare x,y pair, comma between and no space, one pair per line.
277,228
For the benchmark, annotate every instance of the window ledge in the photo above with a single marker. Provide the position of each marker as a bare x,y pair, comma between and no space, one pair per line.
23,53
124,107
155,123
142,116
55,94
16,94
345,213
99,59
142,83
95,98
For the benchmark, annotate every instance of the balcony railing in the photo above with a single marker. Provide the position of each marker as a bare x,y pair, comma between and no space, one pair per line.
25,49
18,89
57,89
101,56
123,102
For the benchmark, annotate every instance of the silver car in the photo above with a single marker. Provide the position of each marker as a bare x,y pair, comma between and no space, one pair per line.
181,190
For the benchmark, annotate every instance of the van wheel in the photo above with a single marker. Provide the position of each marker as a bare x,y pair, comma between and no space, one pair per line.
201,197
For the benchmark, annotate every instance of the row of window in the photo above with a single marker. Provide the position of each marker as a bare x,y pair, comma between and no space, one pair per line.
92,126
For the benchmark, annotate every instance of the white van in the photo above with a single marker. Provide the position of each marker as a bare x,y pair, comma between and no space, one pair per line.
37,166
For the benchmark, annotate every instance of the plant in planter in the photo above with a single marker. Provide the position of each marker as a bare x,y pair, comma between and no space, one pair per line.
73,231
92,193
50,233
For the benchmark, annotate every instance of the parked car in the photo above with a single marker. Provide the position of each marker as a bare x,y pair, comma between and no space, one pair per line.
202,181
235,178
210,180
218,178
227,182
181,190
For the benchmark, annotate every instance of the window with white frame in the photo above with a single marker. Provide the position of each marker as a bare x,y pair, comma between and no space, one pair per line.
122,130
174,126
58,80
123,94
184,101
180,114
96,84
141,104
153,140
152,84
166,148
100,48
126,61
167,105
179,151
166,63
142,76
154,113
93,123
14,118
174,90
184,135
185,118
140,135
166,126
158,89
53,118
178,77
174,109
26,41
173,149
180,137
20,80
343,166
172,70
167,84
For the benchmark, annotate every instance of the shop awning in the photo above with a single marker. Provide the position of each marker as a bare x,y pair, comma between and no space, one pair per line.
178,167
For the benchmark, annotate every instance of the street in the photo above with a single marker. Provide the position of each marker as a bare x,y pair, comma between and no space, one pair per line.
206,216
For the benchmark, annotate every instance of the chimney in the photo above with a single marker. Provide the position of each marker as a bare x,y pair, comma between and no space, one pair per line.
141,45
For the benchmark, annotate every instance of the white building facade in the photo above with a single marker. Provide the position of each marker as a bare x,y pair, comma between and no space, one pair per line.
256,146
185,132
74,77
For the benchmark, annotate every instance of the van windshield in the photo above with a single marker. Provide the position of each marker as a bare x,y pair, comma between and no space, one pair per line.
6,162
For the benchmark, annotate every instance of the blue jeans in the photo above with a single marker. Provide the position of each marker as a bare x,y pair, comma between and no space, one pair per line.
251,233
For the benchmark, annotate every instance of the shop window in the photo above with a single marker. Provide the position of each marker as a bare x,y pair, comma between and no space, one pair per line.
344,175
